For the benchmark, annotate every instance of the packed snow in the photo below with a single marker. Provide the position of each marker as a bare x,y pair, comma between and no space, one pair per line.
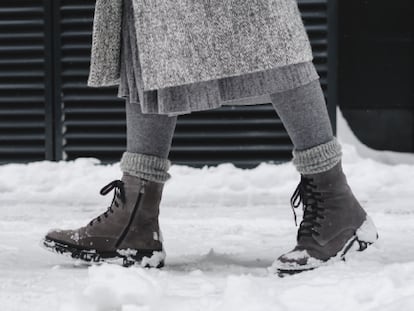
223,227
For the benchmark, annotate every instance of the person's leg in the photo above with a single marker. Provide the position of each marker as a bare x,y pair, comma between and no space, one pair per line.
305,116
129,229
149,133
333,220
149,138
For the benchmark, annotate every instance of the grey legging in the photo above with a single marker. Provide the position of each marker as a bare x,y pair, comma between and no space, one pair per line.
302,111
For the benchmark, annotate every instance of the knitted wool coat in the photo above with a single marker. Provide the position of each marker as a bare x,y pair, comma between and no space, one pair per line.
187,41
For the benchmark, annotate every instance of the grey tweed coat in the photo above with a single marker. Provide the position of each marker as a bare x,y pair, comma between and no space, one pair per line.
188,41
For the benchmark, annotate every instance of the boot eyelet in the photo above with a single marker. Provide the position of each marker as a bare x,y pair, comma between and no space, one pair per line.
316,233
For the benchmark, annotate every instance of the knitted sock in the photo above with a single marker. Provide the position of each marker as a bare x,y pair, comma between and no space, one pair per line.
317,159
145,166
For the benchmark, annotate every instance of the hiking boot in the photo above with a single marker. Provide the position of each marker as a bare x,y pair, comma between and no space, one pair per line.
128,231
334,223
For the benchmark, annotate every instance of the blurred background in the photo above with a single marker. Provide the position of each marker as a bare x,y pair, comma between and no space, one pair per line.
363,51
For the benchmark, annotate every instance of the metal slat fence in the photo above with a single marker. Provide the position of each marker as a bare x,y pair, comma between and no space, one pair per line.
24,127
48,112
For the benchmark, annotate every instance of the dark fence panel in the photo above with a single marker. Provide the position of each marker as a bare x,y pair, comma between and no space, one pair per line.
376,72
25,110
90,122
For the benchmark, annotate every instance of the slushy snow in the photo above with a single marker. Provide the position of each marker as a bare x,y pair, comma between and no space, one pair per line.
223,227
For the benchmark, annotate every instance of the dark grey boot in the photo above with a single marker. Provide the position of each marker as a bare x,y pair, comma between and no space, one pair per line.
128,230
334,223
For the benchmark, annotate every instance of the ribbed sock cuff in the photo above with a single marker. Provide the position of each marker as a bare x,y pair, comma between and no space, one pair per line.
318,159
145,166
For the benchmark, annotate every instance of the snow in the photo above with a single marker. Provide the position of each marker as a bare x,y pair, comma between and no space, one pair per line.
223,227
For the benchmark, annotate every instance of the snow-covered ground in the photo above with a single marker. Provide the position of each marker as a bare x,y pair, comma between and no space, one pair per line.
222,226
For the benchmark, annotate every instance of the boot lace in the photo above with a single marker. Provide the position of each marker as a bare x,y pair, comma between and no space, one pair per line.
119,194
307,195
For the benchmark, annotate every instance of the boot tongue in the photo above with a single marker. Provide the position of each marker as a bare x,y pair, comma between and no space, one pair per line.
129,179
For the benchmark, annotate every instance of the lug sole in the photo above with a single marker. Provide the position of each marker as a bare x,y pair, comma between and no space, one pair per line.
126,258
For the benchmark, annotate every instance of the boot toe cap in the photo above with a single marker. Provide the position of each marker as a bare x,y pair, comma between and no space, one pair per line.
63,236
296,260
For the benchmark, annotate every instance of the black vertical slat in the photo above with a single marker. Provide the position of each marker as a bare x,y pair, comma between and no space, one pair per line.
49,81
333,67
57,87
23,81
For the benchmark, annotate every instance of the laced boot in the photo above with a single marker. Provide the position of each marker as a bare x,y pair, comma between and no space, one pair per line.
334,223
128,231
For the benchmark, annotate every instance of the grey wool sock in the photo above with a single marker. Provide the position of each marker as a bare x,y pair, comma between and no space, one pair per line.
317,159
145,166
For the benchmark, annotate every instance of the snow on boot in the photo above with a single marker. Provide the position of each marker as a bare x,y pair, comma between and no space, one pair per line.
127,232
334,223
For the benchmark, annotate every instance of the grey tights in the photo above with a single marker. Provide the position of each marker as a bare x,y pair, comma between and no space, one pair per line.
302,111
304,115
148,133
